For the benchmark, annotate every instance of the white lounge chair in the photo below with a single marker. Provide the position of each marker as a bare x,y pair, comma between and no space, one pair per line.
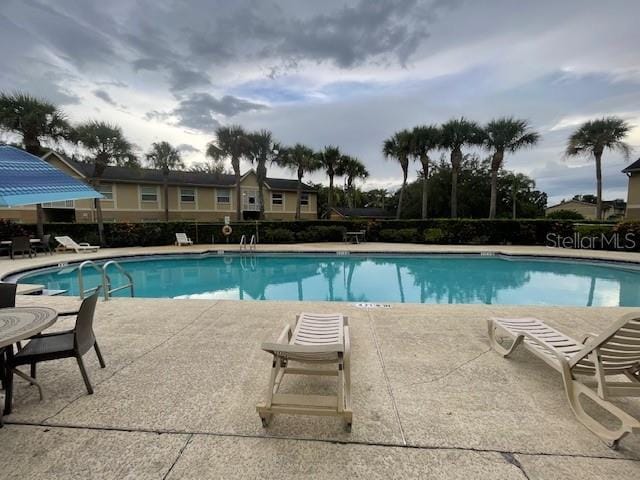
614,352
67,243
316,339
182,239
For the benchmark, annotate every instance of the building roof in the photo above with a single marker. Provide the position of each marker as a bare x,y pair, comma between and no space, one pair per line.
26,180
634,167
370,212
150,175
605,203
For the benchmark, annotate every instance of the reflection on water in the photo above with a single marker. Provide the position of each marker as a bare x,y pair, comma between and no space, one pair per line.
426,279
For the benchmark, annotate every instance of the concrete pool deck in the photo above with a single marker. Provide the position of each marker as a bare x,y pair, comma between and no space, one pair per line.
430,398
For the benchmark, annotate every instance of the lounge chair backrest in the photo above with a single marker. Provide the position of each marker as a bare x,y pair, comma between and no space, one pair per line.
315,329
84,336
182,237
618,347
8,295
20,244
67,242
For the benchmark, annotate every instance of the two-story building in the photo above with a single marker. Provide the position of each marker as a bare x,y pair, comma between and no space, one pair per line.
136,195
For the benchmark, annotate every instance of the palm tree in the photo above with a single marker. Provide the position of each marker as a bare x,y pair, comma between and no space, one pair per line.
330,159
300,159
231,142
106,146
520,184
592,138
166,158
262,149
456,134
506,134
351,168
399,147
424,139
35,120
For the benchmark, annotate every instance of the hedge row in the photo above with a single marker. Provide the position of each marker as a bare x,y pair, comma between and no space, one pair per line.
443,231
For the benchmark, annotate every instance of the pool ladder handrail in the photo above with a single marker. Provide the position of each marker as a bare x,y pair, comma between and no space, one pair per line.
104,278
251,246
119,267
82,290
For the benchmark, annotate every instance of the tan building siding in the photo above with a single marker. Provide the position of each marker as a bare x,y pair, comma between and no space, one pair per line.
127,203
633,197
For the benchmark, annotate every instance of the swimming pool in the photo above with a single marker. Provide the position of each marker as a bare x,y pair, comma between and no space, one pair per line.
428,278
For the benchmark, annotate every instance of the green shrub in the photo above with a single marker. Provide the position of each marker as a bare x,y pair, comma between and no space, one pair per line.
331,233
402,235
434,235
279,235
565,215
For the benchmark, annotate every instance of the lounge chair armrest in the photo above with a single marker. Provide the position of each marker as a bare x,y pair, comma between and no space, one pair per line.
285,335
293,349
84,244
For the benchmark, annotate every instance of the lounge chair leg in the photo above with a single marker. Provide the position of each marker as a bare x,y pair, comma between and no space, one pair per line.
505,352
265,418
574,389
99,355
85,377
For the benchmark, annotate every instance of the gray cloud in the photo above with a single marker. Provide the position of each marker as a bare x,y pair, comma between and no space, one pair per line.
202,111
187,148
104,96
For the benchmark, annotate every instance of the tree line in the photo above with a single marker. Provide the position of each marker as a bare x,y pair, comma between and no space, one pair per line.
499,137
36,121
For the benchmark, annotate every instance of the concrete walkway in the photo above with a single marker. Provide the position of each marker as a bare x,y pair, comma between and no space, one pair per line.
430,399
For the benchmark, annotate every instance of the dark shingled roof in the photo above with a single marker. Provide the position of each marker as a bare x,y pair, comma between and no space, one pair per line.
149,175
634,167
370,212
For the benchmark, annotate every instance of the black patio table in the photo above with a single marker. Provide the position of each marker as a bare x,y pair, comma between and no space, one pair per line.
17,324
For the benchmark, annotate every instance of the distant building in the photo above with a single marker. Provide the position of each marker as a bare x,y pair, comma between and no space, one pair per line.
611,209
136,195
633,191
341,213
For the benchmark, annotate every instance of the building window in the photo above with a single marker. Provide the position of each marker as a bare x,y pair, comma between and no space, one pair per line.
223,195
276,198
188,195
149,194
106,191
304,198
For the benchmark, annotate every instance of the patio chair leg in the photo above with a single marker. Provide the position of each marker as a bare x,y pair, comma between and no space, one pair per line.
8,390
85,377
99,355
33,370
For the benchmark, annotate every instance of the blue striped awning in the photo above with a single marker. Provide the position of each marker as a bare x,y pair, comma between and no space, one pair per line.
26,179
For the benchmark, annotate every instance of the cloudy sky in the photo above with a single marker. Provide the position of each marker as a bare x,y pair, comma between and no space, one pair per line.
347,73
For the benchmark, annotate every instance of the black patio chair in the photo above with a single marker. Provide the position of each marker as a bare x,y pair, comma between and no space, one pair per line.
67,344
44,245
21,245
7,300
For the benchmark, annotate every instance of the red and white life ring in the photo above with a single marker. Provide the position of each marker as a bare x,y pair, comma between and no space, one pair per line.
226,230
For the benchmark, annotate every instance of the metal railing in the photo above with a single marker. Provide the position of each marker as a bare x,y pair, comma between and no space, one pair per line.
128,285
83,292
248,247
105,280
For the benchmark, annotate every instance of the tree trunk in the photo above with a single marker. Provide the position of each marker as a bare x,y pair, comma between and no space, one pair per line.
351,195
456,160
404,185
496,162
165,186
262,173
330,196
514,198
598,156
236,171
425,185
299,195
40,220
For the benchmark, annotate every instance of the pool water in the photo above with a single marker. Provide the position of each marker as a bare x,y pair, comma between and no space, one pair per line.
379,278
